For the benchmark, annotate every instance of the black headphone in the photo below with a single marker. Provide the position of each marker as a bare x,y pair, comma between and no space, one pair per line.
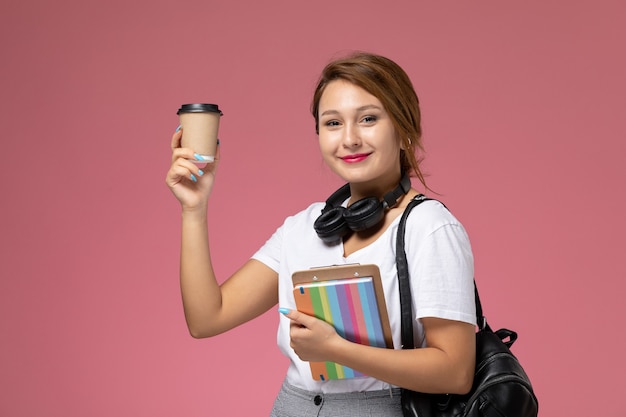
336,220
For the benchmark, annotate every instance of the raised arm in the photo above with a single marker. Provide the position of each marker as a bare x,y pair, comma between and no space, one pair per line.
211,308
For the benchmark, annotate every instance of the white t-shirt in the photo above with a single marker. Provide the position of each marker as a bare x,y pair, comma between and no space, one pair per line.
441,268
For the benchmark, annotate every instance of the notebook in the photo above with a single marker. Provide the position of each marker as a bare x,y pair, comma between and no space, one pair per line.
351,298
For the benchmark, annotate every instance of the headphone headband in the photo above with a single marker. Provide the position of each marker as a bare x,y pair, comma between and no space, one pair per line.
336,220
392,197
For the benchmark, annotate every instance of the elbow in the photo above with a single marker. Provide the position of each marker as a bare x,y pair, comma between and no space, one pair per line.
200,328
465,386
463,382
198,332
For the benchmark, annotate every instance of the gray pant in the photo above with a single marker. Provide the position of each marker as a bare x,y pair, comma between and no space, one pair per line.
295,402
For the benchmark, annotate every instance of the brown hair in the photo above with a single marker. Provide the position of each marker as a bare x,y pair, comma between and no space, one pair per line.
387,81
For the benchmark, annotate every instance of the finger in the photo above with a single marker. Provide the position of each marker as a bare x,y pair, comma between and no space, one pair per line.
300,319
178,173
186,154
181,167
176,137
182,153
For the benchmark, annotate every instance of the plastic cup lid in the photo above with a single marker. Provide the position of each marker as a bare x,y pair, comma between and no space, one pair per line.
199,108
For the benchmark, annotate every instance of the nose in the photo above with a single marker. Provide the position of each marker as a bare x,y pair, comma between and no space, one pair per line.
351,136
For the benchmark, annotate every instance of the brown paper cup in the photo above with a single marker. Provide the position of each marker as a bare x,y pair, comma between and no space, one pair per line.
200,124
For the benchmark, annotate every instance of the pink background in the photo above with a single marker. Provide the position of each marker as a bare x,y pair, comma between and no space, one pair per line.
523,106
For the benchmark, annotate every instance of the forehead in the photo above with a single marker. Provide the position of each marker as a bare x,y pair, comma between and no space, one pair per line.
341,94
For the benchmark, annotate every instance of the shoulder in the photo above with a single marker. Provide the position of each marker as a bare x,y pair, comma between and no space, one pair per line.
429,216
432,225
305,217
300,225
294,239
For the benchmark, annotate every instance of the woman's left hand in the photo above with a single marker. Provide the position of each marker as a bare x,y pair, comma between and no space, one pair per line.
311,338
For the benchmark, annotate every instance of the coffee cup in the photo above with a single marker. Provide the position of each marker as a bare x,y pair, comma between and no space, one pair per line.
200,123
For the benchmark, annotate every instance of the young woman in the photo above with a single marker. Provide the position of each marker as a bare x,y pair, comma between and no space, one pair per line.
368,121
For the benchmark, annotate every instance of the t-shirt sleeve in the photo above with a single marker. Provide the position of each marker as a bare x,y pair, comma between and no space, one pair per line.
442,271
269,253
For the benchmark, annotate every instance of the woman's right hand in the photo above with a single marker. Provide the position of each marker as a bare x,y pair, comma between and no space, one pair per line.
190,183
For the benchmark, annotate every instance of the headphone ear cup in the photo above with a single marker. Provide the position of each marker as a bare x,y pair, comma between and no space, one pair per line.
331,226
365,213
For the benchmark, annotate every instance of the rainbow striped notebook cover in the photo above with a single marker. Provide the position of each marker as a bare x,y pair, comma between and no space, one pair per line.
350,297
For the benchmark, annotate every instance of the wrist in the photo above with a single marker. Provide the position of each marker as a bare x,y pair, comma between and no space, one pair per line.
339,349
194,213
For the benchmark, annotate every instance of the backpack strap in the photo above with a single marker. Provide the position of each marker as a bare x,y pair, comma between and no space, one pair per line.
404,286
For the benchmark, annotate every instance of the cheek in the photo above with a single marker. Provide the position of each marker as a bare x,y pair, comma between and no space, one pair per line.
393,152
328,150
326,143
328,155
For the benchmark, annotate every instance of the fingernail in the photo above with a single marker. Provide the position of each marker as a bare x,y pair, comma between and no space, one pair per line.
200,172
193,178
178,128
283,310
198,157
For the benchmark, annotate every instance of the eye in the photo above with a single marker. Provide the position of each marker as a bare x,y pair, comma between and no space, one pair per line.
331,123
369,119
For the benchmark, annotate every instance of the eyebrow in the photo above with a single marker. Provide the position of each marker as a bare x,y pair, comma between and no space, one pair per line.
359,109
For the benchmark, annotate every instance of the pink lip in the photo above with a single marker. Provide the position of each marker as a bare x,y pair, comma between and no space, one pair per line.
351,159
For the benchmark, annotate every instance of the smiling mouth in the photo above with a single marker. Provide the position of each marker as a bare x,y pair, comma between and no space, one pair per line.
355,158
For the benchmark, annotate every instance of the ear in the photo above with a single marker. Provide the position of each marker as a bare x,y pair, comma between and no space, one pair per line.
405,143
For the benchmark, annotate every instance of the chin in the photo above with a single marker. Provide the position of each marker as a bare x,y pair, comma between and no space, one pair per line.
354,175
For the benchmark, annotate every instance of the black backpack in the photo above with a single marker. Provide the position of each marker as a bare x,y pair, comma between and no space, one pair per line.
501,388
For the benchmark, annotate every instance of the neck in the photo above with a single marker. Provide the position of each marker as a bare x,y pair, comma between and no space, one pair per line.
375,188
392,192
